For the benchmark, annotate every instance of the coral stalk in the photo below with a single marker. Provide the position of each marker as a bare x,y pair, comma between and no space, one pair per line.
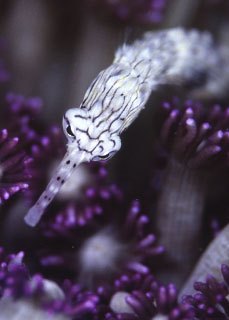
210,262
196,140
181,203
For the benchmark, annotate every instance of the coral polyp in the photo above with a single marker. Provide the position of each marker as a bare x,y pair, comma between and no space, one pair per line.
96,251
15,163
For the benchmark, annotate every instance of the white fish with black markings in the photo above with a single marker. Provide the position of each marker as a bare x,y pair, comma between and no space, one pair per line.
120,92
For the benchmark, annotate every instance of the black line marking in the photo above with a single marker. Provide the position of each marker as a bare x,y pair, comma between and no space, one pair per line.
91,88
95,146
109,117
80,116
98,93
103,100
86,132
128,112
113,142
123,108
139,62
101,121
83,149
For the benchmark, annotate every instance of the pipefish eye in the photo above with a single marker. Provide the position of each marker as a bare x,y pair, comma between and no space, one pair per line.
104,157
69,131
101,158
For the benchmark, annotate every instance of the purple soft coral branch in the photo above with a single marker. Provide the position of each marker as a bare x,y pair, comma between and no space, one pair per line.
210,261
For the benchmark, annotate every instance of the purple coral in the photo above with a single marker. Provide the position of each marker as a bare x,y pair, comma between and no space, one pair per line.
140,296
194,135
196,139
15,279
211,301
34,295
15,170
12,274
46,145
18,140
23,116
95,251
78,303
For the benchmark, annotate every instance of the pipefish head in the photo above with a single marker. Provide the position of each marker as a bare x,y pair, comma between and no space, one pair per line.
96,139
